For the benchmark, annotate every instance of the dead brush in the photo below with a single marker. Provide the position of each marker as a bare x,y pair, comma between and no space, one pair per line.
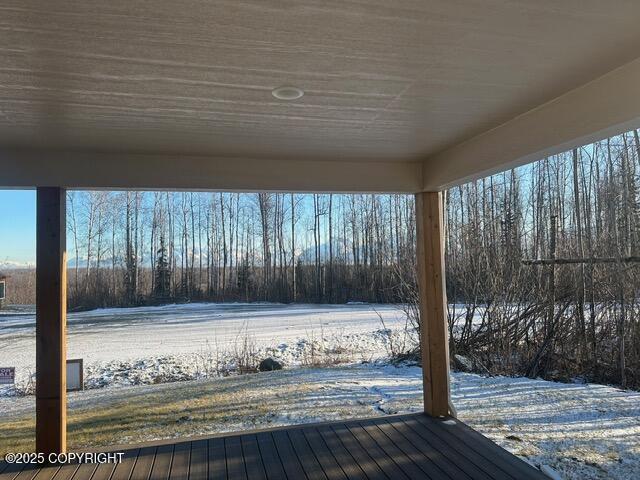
27,386
404,348
245,356
317,354
208,361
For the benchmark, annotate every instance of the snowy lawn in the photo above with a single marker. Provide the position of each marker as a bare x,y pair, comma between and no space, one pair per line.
582,431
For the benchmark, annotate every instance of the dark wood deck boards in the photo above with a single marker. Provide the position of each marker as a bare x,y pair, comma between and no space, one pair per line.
402,447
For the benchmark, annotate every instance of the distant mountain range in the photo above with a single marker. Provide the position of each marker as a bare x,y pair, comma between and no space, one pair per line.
307,255
11,265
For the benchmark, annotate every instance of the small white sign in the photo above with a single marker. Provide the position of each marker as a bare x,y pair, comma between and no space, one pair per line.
7,375
75,375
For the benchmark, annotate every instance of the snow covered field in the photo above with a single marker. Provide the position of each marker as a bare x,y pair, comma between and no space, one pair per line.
146,345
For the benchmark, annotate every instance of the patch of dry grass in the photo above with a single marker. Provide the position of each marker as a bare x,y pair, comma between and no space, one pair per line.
138,414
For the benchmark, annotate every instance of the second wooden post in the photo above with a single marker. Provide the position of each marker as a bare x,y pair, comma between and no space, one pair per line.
434,340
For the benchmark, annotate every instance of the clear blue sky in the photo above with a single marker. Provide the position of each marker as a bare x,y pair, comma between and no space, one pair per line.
18,226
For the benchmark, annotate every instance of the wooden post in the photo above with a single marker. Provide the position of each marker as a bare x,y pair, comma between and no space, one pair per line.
51,320
434,341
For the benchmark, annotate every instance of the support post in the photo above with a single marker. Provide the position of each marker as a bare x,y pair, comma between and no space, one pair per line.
51,320
434,341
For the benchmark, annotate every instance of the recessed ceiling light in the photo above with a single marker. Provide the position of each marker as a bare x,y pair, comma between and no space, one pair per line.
287,93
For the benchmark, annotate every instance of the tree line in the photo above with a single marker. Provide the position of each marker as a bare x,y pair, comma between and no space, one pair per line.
134,248
543,266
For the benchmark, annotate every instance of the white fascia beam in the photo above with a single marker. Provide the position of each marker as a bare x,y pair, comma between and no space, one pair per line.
606,106
82,170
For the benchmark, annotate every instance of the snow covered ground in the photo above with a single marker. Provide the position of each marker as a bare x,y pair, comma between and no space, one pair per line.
581,431
146,345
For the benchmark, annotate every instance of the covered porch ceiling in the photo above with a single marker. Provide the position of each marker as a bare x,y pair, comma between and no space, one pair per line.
402,96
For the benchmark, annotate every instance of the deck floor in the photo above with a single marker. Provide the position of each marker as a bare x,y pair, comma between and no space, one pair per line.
402,447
